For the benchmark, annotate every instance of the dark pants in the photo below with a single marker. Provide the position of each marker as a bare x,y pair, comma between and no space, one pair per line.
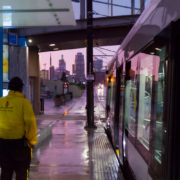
14,157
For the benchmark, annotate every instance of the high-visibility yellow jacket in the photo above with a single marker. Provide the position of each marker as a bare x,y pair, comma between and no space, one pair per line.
17,118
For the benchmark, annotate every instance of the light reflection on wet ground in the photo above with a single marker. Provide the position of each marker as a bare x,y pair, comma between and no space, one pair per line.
66,154
63,156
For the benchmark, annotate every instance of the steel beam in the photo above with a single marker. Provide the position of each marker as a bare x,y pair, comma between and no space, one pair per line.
33,10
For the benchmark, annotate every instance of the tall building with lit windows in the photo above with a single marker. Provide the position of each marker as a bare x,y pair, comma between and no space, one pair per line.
78,68
97,64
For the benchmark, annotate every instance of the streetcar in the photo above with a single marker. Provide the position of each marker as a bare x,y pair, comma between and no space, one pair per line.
143,95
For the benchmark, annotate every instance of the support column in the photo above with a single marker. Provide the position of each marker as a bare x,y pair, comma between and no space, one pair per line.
90,89
82,9
1,61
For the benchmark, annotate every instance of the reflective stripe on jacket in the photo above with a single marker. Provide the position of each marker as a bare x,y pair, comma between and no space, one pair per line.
17,118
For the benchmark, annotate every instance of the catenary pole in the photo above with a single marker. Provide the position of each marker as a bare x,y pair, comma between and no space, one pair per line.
90,89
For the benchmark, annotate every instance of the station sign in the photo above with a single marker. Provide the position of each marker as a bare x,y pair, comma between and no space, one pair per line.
90,77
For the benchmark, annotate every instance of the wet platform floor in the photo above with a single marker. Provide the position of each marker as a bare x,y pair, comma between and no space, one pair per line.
64,155
73,152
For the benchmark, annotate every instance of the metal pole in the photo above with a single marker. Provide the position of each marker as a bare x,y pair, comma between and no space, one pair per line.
108,7
1,61
111,7
82,9
90,89
132,7
142,6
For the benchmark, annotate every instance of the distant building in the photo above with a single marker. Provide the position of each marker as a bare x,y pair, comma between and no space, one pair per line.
62,65
78,67
73,70
97,64
52,72
67,72
70,78
44,74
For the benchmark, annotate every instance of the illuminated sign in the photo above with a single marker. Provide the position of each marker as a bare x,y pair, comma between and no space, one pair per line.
90,77
5,62
7,17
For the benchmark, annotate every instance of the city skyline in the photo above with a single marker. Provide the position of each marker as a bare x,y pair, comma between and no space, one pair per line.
69,57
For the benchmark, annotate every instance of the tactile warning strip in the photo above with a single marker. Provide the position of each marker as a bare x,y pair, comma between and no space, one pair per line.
104,163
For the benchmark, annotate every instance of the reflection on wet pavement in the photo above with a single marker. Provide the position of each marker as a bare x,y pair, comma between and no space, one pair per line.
65,155
72,152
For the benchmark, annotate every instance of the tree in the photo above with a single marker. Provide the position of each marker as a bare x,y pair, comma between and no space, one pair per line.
63,78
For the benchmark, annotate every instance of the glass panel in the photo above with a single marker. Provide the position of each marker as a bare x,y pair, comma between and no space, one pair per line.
76,9
148,70
158,117
121,111
112,100
101,8
121,7
36,13
131,96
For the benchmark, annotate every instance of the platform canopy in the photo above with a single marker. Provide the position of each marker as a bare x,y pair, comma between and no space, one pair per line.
35,13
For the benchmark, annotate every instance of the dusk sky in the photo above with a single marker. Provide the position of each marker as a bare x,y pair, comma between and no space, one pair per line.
69,56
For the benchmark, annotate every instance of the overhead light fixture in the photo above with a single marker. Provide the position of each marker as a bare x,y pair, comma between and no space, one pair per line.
52,45
152,53
56,48
30,40
158,49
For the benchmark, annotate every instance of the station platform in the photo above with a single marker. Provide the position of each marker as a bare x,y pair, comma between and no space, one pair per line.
73,152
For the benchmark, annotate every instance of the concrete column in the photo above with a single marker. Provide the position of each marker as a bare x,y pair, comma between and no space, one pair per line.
82,9
18,65
34,72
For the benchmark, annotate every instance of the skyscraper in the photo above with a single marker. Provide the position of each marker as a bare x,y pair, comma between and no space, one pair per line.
52,72
51,69
78,67
97,64
62,65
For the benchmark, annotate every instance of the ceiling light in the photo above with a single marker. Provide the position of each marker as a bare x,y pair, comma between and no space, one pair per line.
56,48
152,53
30,40
52,45
158,49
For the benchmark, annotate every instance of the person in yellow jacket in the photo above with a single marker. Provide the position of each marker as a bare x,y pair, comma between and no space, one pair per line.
18,132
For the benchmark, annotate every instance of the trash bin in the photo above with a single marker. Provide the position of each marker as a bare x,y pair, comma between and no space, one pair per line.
42,104
71,94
